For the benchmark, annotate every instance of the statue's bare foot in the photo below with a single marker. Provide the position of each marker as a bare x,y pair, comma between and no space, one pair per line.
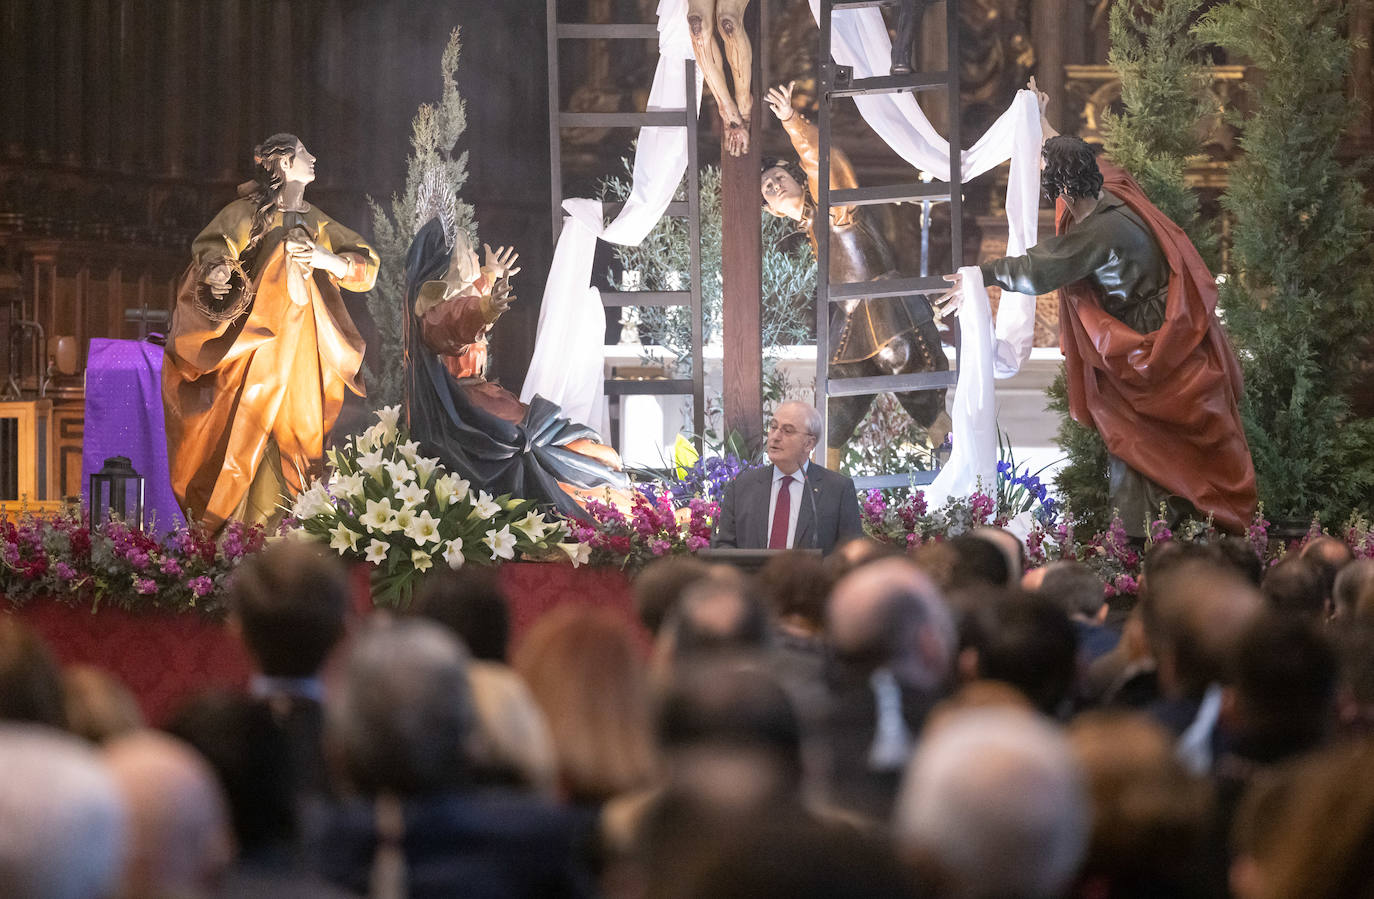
736,138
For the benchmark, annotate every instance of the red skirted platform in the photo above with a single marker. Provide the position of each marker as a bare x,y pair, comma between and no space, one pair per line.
166,658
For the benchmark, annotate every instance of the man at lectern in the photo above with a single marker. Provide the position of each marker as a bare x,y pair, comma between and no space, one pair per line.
793,503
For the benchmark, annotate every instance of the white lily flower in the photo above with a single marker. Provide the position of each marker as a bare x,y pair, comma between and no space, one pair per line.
389,416
501,543
348,486
578,553
410,450
372,463
400,472
422,560
344,538
403,519
424,469
376,551
378,517
485,507
533,526
312,503
411,495
453,553
366,441
424,529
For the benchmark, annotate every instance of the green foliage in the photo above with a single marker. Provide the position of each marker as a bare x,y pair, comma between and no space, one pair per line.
1164,84
434,134
1082,481
1301,295
1164,95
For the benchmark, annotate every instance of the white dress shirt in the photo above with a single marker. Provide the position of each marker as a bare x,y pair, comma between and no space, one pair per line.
795,490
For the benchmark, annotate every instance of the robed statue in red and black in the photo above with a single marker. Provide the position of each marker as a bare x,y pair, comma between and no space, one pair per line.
1147,362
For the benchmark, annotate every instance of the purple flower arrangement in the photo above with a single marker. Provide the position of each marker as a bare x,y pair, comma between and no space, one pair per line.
62,557
657,525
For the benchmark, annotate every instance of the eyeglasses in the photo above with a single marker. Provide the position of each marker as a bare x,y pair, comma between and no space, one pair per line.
787,430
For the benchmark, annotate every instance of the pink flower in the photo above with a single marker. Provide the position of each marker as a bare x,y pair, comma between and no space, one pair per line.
144,586
65,571
695,543
201,586
660,547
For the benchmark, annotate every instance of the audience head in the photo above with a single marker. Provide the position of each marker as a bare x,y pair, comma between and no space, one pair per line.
1355,695
730,736
1319,847
792,435
1026,641
794,585
888,614
289,602
586,673
401,718
63,820
1353,592
1329,555
1075,589
1294,587
788,859
979,562
1150,816
658,588
995,803
1195,614
513,746
472,605
717,612
98,706
180,842
852,553
250,754
1239,554
1013,550
1284,680
30,680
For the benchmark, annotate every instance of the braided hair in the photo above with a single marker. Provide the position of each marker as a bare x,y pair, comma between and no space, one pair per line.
267,181
1070,169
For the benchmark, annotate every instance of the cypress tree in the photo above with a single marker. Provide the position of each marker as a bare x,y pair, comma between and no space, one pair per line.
1300,295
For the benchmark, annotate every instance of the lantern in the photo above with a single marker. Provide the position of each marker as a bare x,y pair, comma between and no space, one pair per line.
117,489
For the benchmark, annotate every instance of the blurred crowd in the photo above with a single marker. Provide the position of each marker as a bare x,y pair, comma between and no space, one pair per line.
873,724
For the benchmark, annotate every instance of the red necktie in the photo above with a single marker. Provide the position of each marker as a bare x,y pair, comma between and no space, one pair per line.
782,513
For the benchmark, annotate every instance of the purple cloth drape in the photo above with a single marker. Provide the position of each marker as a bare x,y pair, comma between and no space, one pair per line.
124,418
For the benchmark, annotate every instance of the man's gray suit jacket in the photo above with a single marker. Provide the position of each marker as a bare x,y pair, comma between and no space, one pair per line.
828,517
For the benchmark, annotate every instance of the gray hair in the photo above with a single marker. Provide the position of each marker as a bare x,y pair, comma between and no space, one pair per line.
813,416
62,823
403,717
1073,587
996,797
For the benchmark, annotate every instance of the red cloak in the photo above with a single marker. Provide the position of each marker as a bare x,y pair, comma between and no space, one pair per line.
1164,402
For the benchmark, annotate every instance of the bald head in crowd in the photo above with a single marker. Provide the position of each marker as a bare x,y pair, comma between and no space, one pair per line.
180,842
62,823
889,614
995,802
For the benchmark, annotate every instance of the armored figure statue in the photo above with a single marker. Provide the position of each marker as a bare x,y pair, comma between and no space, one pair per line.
868,337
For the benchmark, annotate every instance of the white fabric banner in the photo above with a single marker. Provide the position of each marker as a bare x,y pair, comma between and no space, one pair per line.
569,360
859,38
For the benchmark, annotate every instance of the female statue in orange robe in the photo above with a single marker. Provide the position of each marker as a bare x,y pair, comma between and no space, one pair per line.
261,347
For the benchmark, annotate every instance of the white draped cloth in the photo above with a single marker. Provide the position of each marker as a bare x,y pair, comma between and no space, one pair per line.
568,361
859,39
569,356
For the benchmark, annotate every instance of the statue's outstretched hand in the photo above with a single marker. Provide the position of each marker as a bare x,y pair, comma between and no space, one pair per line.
779,99
736,138
500,264
1042,97
948,303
